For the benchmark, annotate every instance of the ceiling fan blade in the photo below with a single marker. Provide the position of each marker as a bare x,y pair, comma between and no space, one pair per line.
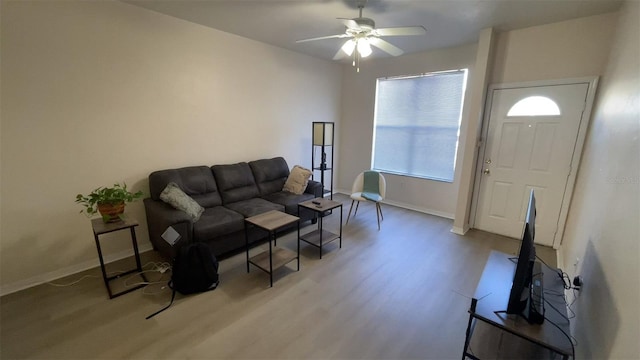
385,46
350,23
401,31
323,38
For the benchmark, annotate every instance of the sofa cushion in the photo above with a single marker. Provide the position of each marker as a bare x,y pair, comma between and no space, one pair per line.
235,182
288,200
254,206
174,196
297,181
196,181
217,221
270,174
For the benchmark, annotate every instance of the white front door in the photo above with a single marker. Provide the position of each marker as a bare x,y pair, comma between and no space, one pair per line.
531,136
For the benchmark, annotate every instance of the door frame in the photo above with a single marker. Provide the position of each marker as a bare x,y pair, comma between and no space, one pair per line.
592,82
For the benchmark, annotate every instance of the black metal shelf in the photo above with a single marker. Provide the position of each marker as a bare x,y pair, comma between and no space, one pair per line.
323,139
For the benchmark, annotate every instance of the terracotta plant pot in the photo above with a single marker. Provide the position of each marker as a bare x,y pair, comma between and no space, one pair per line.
111,212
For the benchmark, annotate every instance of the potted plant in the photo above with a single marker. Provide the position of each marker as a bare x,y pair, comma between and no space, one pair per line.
108,201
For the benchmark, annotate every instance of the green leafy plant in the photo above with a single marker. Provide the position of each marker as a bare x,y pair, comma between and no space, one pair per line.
115,195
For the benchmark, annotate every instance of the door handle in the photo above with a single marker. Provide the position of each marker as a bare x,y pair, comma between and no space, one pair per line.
486,171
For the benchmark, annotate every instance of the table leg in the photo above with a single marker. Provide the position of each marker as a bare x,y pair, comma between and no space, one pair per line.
320,229
246,243
467,339
271,257
104,271
134,240
135,249
298,245
340,226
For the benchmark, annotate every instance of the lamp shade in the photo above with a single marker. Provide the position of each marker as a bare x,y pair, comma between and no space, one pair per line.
348,47
322,133
364,48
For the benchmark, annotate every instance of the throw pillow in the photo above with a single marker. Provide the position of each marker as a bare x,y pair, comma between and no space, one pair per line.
174,196
297,181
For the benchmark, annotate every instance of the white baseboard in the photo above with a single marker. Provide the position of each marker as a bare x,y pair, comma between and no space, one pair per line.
459,231
70,270
74,269
408,206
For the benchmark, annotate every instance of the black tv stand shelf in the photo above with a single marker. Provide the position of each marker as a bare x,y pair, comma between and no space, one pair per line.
488,307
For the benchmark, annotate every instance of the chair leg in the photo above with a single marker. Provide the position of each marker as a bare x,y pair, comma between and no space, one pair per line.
380,209
378,213
350,208
356,212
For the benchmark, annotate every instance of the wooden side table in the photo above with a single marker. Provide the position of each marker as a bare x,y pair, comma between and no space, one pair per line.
321,237
276,258
100,228
490,301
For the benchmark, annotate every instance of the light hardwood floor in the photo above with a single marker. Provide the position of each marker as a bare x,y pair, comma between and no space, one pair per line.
401,292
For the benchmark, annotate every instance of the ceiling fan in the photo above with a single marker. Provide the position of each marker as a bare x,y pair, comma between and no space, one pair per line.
362,33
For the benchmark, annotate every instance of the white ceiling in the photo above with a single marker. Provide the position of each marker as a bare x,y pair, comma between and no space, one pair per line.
448,22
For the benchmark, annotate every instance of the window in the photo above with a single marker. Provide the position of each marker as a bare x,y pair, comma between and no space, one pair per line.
417,123
534,106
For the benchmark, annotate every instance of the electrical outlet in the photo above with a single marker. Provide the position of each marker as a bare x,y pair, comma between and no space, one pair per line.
575,264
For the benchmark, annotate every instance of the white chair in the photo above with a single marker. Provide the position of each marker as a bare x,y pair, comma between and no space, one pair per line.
368,186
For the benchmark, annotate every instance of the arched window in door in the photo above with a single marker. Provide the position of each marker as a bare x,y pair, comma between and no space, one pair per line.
534,106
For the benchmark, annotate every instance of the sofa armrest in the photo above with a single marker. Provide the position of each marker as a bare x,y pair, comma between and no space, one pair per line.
160,216
315,188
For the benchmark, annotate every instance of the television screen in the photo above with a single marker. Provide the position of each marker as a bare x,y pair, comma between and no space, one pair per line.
519,295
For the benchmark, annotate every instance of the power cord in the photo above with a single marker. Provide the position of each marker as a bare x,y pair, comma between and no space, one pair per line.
126,281
71,283
566,279
161,267
556,309
564,297
569,337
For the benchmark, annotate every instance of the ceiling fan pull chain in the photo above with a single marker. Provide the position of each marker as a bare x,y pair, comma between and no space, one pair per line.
355,57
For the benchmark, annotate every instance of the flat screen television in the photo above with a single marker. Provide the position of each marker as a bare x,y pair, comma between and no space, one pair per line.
520,295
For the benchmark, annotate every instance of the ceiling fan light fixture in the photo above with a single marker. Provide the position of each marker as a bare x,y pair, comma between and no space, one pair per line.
364,48
361,34
348,47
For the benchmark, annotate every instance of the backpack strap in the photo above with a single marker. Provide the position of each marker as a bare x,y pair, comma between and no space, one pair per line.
173,296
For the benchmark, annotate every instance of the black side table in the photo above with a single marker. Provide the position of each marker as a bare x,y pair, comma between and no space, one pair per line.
99,228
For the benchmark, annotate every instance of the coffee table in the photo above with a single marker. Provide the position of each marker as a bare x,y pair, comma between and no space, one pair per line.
276,257
321,237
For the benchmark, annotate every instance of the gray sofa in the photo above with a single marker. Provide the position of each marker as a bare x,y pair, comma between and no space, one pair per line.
228,193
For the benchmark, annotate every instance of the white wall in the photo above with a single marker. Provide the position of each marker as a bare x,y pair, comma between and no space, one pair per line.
603,228
96,92
470,129
566,49
356,128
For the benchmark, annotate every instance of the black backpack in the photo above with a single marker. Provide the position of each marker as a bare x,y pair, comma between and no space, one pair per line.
195,269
